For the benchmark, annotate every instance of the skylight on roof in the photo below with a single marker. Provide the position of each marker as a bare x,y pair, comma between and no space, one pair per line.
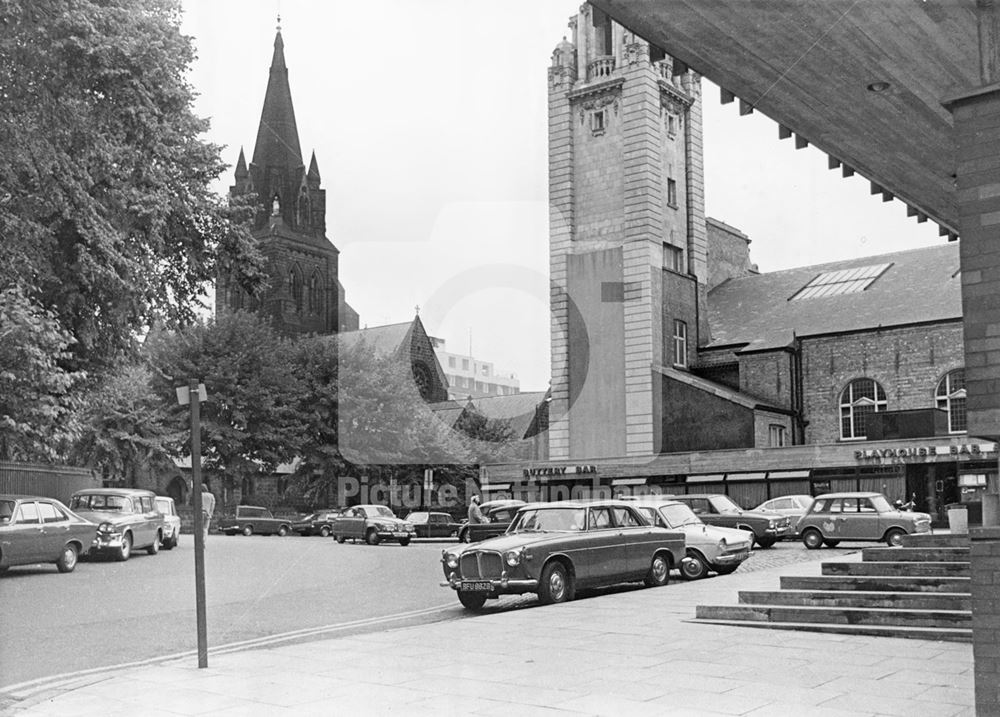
845,281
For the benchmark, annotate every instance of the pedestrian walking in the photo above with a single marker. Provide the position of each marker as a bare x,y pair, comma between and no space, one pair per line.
475,513
207,508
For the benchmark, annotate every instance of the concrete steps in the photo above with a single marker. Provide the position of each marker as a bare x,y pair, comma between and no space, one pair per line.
920,590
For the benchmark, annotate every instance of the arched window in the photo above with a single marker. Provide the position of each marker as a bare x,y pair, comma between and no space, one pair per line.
861,397
295,288
950,396
315,294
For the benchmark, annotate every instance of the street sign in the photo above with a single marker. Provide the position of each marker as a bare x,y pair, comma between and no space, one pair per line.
184,394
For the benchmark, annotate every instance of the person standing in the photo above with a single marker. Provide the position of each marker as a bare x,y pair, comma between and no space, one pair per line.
207,508
475,513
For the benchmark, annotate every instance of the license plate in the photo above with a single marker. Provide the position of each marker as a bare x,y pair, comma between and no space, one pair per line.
401,535
476,586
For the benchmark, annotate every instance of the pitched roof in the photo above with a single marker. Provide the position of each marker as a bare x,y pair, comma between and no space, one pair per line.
385,340
716,389
518,409
757,312
448,412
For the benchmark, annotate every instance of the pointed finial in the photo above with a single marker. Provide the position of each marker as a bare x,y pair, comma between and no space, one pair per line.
417,309
278,27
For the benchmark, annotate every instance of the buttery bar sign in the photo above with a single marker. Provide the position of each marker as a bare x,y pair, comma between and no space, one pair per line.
558,471
918,454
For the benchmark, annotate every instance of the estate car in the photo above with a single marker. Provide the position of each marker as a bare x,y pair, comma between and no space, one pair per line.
834,517
553,549
432,524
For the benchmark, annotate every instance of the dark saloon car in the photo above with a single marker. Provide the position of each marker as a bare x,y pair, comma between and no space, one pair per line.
127,520
553,549
716,509
498,514
318,523
41,530
433,525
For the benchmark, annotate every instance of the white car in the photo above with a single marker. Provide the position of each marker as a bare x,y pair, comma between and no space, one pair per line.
171,521
793,506
708,547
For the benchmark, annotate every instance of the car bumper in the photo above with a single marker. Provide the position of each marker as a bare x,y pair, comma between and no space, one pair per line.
498,586
732,558
395,535
783,532
106,542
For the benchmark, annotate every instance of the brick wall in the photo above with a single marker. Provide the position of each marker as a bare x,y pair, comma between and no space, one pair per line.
768,376
907,362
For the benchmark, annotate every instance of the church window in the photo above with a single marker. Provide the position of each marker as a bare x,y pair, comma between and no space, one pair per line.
672,193
422,378
680,343
950,397
862,397
673,258
295,288
315,295
845,281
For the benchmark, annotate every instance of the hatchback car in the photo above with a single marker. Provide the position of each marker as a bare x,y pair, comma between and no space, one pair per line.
171,521
127,520
41,530
834,517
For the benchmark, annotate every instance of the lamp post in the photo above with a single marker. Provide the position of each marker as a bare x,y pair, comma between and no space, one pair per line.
194,393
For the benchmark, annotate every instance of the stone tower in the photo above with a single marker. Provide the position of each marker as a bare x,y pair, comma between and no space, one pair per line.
304,295
628,247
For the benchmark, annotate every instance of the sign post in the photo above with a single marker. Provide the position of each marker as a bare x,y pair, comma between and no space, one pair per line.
194,393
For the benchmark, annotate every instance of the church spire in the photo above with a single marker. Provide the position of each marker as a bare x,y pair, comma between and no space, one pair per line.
277,145
241,166
313,168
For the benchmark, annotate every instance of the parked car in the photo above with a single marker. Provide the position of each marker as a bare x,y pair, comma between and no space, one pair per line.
127,520
250,519
373,524
41,530
498,513
716,509
708,547
553,549
433,525
171,521
318,523
834,517
792,506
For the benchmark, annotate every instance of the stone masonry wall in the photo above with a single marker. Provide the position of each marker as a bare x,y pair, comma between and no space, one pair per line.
907,362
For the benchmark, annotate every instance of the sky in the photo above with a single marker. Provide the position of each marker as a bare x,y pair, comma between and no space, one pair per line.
429,123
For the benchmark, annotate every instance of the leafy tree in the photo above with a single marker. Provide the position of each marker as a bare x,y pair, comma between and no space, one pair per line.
125,428
251,422
35,402
106,211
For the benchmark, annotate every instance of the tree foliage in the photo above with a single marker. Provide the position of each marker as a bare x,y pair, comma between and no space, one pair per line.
252,420
106,213
36,407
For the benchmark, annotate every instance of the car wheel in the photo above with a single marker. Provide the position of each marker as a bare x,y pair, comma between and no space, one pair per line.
659,572
812,538
324,532
554,586
831,543
371,537
282,531
404,541
67,559
766,542
248,530
169,543
154,548
894,538
694,568
125,551
725,569
470,600
340,538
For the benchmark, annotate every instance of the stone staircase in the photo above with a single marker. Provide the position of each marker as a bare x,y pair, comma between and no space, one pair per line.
920,590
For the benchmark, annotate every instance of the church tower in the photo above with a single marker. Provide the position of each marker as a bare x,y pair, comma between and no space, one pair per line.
304,295
627,236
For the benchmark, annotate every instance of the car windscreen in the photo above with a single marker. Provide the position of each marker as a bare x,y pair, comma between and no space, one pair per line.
545,519
678,514
165,506
723,504
881,503
378,511
117,503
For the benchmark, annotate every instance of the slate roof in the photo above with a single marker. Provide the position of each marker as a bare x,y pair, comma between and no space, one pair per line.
385,340
920,286
448,412
518,409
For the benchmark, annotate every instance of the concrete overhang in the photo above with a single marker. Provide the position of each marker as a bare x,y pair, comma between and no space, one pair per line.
862,80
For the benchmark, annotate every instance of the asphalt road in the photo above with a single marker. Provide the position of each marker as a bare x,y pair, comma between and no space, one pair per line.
260,590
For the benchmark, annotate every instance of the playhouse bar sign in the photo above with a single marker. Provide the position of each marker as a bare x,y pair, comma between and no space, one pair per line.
916,454
558,471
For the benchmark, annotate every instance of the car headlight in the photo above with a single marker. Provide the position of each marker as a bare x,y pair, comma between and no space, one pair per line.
513,557
451,560
107,528
772,524
381,526
722,544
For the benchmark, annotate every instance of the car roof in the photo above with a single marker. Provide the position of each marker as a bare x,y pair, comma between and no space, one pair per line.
849,494
505,502
698,495
654,500
19,496
616,502
115,491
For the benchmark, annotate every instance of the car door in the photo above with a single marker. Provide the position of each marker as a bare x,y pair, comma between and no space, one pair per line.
636,535
437,526
24,538
55,528
602,555
148,520
862,520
